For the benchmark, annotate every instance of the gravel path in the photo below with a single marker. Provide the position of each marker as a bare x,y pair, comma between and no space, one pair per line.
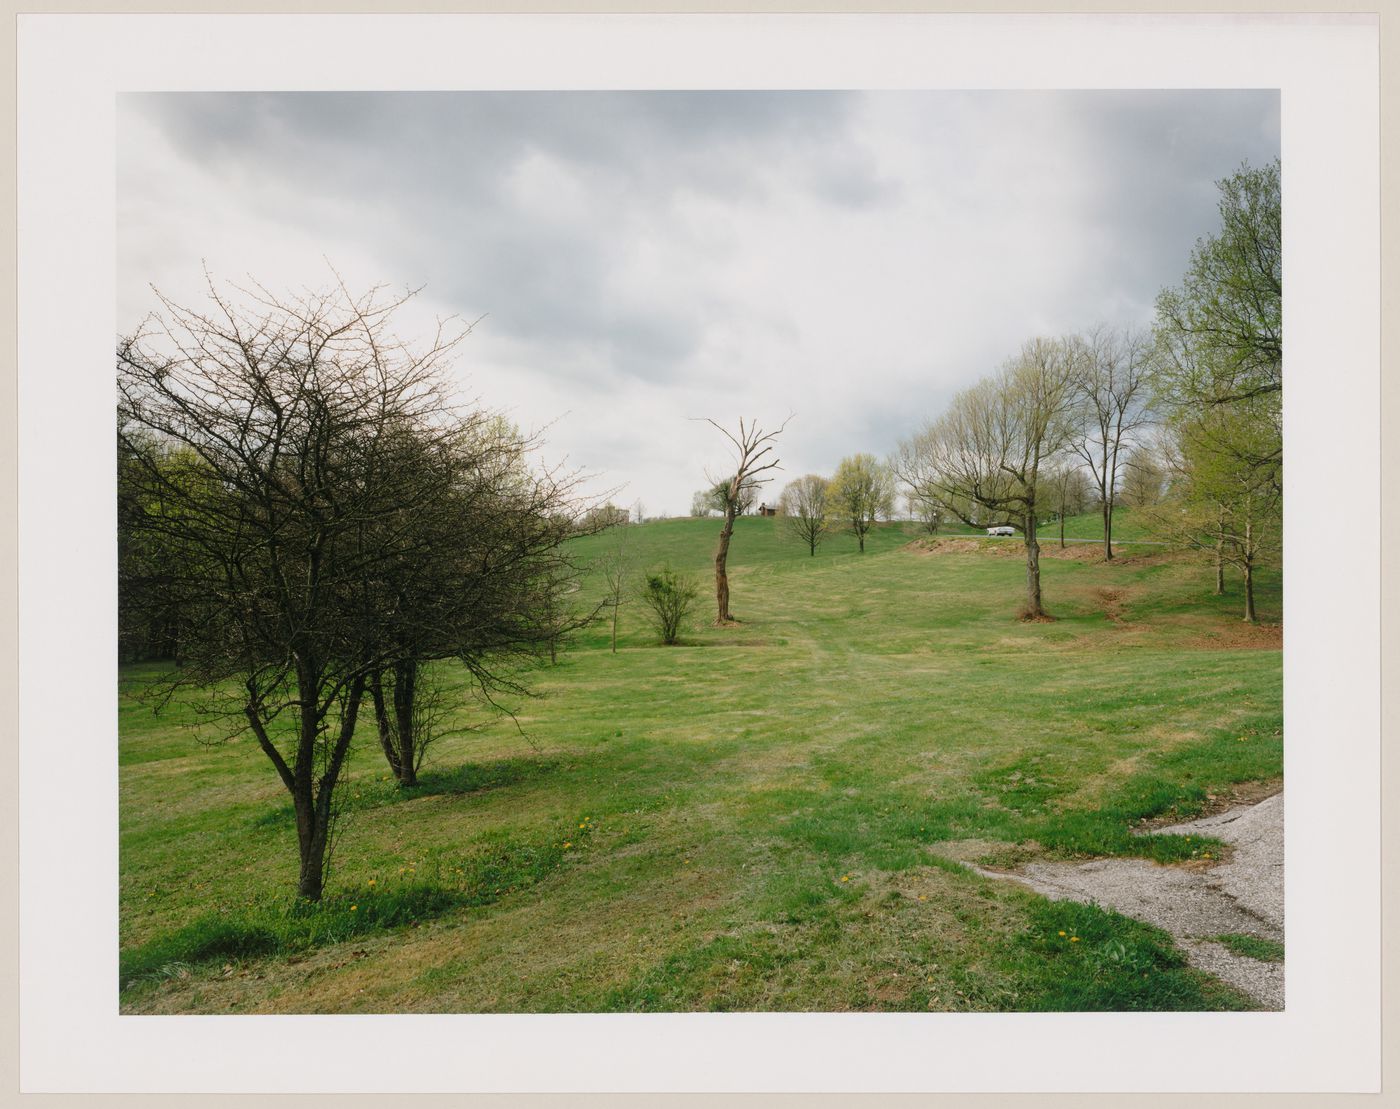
1244,894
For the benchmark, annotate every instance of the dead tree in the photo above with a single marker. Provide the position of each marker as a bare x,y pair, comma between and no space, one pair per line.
752,448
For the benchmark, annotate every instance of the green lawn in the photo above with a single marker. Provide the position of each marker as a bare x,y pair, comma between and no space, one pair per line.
749,820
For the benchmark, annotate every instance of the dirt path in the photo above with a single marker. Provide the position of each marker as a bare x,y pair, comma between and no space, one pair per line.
1243,895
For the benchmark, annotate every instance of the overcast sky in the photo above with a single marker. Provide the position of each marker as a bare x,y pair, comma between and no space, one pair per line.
645,258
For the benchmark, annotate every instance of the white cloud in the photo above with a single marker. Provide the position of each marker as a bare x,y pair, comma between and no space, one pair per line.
650,258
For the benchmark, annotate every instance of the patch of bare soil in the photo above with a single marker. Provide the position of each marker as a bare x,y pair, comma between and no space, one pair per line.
1241,635
944,546
1074,552
1111,601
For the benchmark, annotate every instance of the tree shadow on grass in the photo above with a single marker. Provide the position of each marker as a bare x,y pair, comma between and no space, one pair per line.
471,777
474,777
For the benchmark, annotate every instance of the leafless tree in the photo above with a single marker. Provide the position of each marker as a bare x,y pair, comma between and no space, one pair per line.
1067,488
928,511
482,575
1113,387
804,504
299,461
988,449
1144,479
752,458
617,566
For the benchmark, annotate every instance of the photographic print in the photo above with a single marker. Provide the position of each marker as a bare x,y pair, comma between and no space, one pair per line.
674,551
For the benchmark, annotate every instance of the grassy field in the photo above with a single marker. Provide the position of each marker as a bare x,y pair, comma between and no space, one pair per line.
758,818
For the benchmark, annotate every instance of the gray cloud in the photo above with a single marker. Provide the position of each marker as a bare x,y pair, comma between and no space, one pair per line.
644,257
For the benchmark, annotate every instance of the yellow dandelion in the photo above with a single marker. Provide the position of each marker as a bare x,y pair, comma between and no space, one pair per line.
580,825
1206,855
922,897
567,845
1062,933
1074,939
845,877
371,881
353,908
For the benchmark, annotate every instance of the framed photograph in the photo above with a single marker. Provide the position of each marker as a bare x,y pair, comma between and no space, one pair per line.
699,553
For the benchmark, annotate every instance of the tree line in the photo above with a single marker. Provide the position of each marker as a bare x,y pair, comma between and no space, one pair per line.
1182,417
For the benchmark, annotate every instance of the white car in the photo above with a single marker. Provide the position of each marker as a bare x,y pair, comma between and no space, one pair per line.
1004,529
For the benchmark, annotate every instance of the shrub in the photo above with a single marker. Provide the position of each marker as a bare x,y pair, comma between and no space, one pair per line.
669,596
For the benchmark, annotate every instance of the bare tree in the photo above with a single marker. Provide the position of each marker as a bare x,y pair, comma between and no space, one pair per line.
752,448
928,511
1067,488
1113,387
617,573
482,575
988,449
804,507
861,491
303,467
701,503
1144,478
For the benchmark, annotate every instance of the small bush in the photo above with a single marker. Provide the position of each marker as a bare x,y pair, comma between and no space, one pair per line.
669,596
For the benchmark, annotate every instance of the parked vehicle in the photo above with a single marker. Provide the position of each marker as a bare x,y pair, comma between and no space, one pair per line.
1003,529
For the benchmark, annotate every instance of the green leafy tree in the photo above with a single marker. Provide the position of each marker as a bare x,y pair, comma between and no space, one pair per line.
1221,329
670,597
987,457
1219,378
861,491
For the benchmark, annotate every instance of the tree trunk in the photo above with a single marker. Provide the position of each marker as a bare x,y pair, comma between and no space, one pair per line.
721,572
1033,609
614,626
1220,554
1249,614
384,724
860,537
311,840
405,689
1107,530
1062,527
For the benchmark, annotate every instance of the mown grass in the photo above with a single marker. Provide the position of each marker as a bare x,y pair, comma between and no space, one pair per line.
866,709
